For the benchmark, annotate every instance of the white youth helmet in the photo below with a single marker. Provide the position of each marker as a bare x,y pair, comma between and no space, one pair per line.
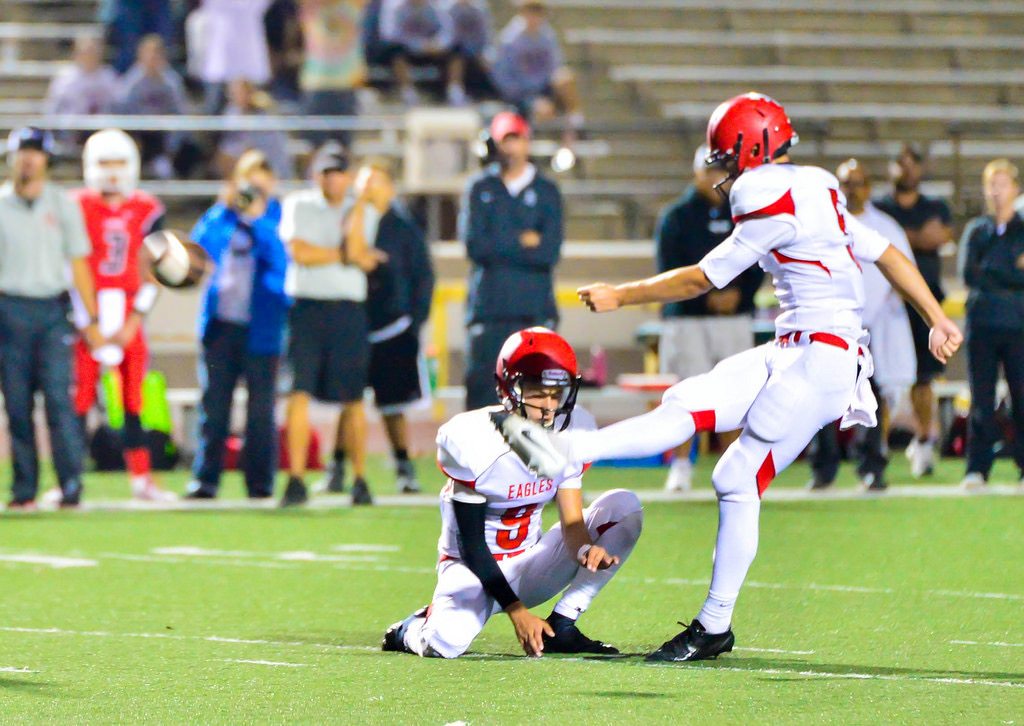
111,145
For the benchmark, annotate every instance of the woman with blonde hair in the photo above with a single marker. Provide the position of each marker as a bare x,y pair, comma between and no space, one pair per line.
992,267
241,325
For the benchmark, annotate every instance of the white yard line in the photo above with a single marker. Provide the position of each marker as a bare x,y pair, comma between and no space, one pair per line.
48,560
260,662
10,669
170,636
994,644
851,676
777,650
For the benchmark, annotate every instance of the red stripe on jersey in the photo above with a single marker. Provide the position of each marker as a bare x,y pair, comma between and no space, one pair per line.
602,528
765,474
835,203
849,248
782,205
830,339
785,260
585,467
470,484
704,420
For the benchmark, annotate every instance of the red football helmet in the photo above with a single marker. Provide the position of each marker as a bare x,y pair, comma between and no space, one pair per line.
750,130
540,356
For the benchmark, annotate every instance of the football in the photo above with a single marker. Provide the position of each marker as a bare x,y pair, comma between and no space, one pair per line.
178,262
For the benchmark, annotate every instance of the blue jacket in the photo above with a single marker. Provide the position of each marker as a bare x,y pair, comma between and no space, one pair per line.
269,302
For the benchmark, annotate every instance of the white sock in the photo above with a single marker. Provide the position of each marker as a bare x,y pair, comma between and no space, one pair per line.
734,552
619,541
664,428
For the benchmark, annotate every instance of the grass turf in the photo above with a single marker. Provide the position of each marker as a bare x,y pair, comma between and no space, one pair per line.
850,615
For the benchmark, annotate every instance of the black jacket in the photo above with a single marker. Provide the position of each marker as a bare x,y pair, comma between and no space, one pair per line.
405,283
508,281
988,265
688,229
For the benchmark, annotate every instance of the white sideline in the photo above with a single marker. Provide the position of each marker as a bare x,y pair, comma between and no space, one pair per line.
10,669
995,644
341,501
48,560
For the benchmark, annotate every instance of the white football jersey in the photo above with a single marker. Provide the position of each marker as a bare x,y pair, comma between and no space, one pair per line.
879,297
481,468
792,221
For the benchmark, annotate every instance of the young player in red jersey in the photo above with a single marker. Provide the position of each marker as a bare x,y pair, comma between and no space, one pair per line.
118,217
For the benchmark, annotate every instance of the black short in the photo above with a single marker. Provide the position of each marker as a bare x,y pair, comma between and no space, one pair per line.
396,374
928,368
328,353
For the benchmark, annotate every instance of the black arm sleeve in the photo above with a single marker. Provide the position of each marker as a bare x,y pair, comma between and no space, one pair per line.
469,518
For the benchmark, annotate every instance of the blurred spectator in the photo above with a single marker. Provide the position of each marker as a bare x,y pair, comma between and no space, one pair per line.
329,231
927,224
153,87
234,46
992,266
42,234
472,35
528,69
698,334
892,345
420,31
397,305
511,224
244,99
334,65
127,22
86,86
284,41
241,325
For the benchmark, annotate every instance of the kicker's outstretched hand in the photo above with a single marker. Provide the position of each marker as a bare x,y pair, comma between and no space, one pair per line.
600,297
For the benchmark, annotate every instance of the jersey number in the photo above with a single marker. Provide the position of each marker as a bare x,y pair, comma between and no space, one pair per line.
116,241
519,518
835,206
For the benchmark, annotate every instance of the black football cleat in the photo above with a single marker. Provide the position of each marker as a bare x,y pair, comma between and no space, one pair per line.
694,643
294,493
569,639
394,637
361,492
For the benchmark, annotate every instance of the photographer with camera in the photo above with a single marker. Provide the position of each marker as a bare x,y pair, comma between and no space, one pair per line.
511,224
241,325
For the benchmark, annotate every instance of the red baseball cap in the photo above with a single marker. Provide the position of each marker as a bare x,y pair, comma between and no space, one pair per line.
506,123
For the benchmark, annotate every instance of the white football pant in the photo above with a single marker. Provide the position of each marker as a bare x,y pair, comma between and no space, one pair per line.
780,395
460,606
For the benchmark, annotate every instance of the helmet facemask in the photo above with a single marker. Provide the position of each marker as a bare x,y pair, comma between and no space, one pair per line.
518,390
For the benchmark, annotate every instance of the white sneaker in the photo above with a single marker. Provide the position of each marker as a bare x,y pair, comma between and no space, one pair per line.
922,458
52,498
680,475
146,490
973,482
541,450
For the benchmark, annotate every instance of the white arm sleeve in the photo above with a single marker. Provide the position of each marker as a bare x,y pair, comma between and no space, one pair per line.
868,245
749,242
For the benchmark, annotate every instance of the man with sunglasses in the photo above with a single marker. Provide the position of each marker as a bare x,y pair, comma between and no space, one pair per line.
494,555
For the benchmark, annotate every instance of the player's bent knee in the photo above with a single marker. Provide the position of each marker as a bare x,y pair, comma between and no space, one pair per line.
735,475
618,503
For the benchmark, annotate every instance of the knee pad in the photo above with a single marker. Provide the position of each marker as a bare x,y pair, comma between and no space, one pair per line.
735,475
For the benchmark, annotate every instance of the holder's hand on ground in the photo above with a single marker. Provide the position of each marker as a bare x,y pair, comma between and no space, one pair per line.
597,558
600,297
530,629
944,339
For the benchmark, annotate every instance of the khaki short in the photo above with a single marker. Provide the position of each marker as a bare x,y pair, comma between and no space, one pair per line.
691,346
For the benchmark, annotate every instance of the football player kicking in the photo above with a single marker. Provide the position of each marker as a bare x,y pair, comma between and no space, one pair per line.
791,221
117,217
493,554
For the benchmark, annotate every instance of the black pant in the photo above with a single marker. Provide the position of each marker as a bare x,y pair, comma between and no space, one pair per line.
35,355
485,341
987,349
869,447
225,359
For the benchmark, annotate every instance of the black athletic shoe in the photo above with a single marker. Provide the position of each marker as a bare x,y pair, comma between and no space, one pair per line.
198,490
335,478
694,643
569,639
294,493
406,478
394,637
873,483
71,494
816,484
361,492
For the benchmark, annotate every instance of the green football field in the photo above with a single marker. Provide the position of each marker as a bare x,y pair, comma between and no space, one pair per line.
890,609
